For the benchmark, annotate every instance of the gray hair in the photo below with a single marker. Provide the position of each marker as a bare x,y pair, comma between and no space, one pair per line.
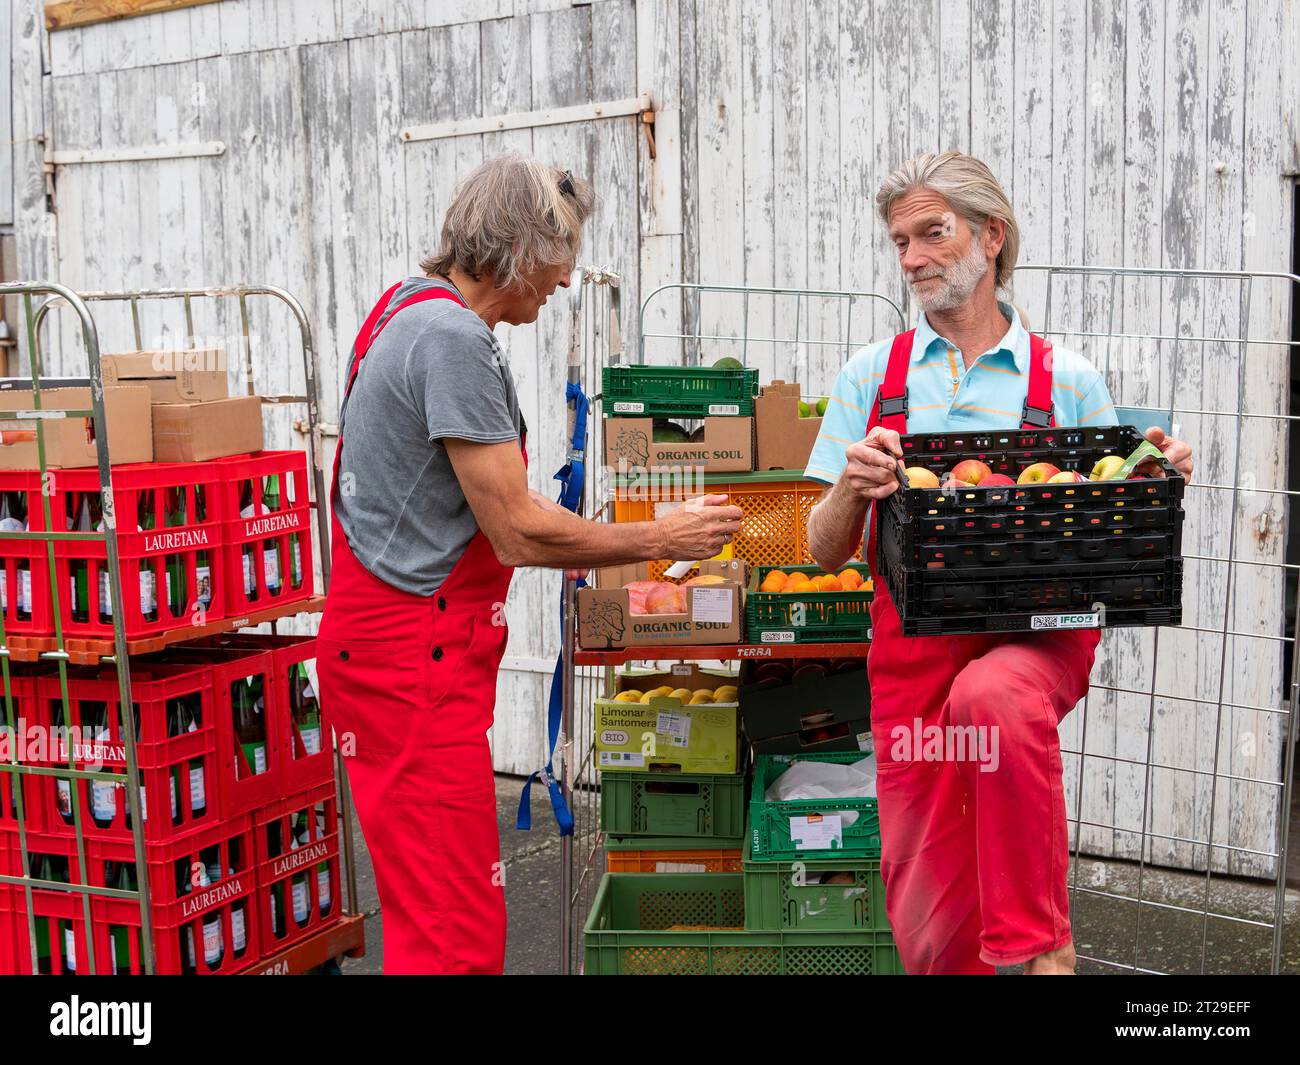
510,217
969,185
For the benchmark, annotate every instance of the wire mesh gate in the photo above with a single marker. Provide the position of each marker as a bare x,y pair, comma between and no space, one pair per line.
88,335
1159,801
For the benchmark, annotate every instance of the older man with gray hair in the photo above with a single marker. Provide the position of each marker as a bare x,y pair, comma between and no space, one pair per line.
974,862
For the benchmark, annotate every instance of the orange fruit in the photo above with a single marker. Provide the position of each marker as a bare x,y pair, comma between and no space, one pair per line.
773,582
828,583
850,580
799,586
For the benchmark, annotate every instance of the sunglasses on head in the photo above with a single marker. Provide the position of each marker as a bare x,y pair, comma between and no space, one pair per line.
566,186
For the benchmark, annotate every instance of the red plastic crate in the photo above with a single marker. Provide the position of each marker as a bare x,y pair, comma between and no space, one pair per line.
297,846
267,553
171,573
28,744
242,788
306,751
24,564
181,774
198,918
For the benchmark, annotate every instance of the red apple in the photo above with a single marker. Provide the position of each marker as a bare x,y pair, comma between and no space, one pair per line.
972,471
996,480
1037,473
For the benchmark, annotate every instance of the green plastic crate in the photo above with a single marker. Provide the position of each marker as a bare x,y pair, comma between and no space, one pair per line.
695,805
771,836
681,391
628,934
828,617
670,843
786,895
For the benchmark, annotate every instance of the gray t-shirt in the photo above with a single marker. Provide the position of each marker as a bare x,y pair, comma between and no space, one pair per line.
435,371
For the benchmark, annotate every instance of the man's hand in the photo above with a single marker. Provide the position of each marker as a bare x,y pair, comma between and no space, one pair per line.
1177,453
872,468
699,527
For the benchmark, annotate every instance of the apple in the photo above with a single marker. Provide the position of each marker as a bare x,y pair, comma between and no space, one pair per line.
1106,469
972,471
996,480
1037,473
950,481
1067,477
920,477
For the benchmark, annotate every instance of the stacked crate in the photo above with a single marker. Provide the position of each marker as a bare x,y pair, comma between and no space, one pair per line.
237,799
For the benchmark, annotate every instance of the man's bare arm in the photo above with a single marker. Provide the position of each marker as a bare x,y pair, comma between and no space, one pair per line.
525,533
836,522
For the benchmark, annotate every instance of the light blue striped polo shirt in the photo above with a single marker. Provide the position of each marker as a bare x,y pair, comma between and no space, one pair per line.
943,396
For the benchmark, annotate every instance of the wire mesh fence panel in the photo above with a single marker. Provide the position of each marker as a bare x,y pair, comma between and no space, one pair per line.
1178,764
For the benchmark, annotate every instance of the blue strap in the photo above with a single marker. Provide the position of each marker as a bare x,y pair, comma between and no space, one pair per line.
572,476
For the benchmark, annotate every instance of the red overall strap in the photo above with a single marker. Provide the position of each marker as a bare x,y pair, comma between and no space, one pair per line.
369,333
1038,412
889,410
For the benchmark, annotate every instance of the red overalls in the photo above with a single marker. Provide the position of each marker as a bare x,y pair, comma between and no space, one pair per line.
974,861
411,683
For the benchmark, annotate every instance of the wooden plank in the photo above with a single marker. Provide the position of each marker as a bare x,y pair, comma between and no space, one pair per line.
137,153
557,116
6,117
861,232
891,146
826,317
64,14
790,182
758,188
955,85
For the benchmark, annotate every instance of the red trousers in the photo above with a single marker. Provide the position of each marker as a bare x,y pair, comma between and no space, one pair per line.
411,685
975,846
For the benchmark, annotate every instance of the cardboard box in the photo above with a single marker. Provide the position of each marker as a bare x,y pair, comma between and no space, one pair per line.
180,376
666,734
802,699
784,439
714,614
70,442
196,432
727,446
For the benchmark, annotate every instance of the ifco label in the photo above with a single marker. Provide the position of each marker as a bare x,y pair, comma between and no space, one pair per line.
1065,621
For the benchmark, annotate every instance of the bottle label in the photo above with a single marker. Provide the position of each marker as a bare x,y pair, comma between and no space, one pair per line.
271,563
105,600
64,798
212,941
311,740
198,791
297,560
237,931
301,900
171,779
144,808
323,887
250,583
204,576
24,591
148,592
69,950
103,801
256,755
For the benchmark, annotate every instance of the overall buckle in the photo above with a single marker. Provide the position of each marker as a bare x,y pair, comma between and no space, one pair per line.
892,406
1036,416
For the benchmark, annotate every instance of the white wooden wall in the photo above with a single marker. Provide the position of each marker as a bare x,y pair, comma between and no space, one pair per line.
1146,133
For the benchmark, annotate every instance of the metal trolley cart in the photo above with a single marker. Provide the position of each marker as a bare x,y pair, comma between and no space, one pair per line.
342,937
1179,764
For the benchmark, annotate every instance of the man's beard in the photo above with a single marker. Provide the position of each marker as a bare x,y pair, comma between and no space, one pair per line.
958,281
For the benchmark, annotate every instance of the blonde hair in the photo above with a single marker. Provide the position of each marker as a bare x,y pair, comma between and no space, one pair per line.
969,186
510,217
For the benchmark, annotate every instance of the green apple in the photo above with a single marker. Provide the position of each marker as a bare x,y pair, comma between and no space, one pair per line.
821,407
805,411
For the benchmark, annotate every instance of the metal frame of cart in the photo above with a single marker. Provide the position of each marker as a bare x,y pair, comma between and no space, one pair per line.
332,942
807,326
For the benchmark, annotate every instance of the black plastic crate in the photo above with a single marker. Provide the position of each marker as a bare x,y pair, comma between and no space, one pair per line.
1026,557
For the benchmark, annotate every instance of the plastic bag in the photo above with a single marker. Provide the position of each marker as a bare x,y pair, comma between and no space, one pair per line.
826,780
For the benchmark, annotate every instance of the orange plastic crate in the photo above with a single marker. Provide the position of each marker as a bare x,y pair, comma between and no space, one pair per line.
673,861
773,532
